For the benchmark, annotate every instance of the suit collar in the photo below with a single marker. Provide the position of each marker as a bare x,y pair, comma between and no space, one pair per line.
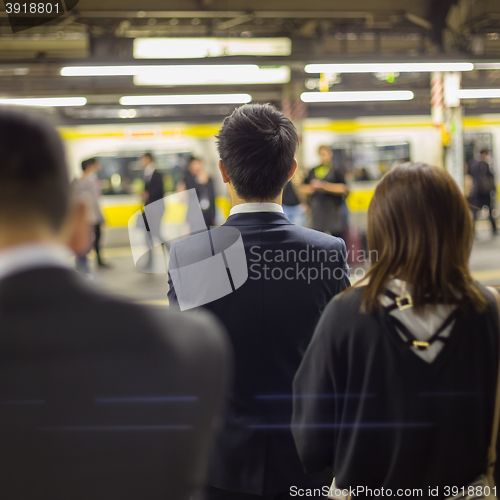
31,256
246,208
257,219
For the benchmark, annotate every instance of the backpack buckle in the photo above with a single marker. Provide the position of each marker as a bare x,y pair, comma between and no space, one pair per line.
404,302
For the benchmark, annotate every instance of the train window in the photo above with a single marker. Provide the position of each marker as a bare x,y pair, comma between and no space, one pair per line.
474,142
121,173
366,160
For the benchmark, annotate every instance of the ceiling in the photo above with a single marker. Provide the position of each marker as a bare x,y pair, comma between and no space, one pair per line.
102,32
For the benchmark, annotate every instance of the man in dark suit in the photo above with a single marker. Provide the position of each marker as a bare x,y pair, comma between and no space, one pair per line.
293,272
152,195
99,398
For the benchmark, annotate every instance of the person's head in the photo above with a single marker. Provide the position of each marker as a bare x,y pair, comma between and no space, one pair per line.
195,166
257,146
34,184
484,154
325,155
90,166
420,230
146,159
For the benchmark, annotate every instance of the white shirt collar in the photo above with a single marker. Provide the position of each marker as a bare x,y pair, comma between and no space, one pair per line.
246,208
33,255
148,171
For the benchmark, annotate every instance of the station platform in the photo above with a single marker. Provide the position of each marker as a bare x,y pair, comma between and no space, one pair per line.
125,280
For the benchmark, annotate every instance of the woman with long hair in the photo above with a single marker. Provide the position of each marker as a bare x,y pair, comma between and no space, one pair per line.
397,387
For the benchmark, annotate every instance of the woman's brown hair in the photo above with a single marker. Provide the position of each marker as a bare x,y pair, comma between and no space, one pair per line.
421,231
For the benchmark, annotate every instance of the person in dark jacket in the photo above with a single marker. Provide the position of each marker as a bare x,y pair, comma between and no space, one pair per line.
326,187
153,194
484,188
289,275
397,387
99,398
197,178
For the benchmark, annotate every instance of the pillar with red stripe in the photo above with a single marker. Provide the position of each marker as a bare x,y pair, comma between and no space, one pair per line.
437,98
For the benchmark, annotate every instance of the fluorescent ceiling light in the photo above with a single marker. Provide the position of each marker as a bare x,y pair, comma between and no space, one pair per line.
487,65
479,93
14,71
358,96
185,48
388,67
164,100
45,102
215,75
188,74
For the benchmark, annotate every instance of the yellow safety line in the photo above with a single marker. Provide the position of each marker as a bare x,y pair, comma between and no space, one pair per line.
154,302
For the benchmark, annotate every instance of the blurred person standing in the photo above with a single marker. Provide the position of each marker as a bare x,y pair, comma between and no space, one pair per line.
484,187
100,398
153,193
197,178
326,187
397,387
85,190
292,207
100,217
270,318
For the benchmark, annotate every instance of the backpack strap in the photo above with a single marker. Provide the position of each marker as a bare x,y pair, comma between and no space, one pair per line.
400,301
420,344
492,451
404,302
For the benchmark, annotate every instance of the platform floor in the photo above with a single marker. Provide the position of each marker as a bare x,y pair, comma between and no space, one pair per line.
125,280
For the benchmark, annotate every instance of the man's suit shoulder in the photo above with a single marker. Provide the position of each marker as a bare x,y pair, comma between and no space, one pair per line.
318,239
199,244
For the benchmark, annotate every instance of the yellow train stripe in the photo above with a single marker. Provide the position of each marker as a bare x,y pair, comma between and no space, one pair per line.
119,215
359,201
493,274
74,135
202,131
345,126
207,130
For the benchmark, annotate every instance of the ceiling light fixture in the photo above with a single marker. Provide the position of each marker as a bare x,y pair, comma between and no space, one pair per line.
358,96
45,102
478,93
167,100
388,67
186,48
205,74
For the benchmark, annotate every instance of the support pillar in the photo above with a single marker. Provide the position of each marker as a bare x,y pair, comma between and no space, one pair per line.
454,150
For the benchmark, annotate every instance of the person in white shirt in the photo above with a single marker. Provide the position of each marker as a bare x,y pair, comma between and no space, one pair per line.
85,190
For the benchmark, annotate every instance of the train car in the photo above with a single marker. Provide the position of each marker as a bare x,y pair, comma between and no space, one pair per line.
367,147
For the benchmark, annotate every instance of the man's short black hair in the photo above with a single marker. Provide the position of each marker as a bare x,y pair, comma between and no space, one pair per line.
86,164
484,151
149,155
257,145
34,178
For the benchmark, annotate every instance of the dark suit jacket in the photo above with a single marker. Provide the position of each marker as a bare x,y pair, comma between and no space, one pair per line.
270,322
154,186
100,398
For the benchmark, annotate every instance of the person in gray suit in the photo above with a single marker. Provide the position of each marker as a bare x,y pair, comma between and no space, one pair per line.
99,398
